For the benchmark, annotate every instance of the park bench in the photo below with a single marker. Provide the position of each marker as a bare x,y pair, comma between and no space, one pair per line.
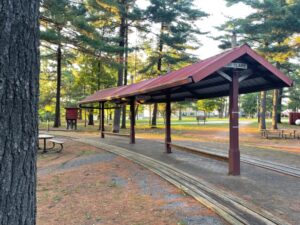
116,134
272,133
201,118
283,133
288,134
59,142
296,134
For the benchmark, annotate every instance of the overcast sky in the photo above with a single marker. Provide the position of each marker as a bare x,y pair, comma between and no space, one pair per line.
218,12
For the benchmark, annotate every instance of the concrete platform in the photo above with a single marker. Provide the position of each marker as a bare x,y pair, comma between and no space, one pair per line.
279,194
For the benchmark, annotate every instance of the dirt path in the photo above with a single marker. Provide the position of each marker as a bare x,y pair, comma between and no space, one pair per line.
85,185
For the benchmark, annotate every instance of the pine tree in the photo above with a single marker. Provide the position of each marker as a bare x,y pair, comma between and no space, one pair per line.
267,28
55,17
19,90
177,32
73,26
126,14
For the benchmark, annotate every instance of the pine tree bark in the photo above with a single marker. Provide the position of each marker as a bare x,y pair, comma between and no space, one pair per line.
278,96
159,64
180,113
91,117
19,90
154,116
279,107
117,114
274,110
262,123
57,122
123,126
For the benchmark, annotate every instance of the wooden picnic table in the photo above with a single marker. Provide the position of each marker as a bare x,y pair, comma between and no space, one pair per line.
280,133
45,137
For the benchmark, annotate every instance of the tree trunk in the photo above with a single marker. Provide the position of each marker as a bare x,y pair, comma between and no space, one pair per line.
57,122
159,64
19,91
80,114
262,124
274,110
180,113
280,92
154,115
136,112
117,114
98,87
123,126
91,118
220,113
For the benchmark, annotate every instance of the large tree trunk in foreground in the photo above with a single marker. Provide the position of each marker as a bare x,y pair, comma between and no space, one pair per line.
57,122
19,85
262,122
274,111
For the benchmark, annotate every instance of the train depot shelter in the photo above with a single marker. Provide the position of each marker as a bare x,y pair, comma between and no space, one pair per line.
236,71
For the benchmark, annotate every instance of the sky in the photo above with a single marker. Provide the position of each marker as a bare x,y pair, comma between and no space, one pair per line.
218,12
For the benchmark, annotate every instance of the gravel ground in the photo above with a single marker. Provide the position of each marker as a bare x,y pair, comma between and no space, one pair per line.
85,185
272,191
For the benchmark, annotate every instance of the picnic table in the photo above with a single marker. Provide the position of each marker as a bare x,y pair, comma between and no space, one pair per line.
45,137
280,133
203,118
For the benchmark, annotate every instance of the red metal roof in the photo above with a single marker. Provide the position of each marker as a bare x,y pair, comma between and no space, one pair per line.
191,74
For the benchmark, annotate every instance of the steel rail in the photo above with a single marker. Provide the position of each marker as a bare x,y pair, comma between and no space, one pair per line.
214,153
232,208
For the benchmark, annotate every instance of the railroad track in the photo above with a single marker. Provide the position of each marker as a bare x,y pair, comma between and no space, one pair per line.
232,208
216,154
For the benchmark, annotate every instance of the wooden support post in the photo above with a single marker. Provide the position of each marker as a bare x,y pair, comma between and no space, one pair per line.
168,125
234,151
102,120
132,121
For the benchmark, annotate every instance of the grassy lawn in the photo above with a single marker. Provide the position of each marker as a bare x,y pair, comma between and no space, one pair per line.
215,130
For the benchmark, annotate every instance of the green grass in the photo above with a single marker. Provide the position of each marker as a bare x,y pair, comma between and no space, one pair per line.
178,127
144,123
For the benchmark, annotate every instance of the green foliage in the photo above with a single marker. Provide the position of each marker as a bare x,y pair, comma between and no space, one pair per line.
207,105
249,104
178,33
273,30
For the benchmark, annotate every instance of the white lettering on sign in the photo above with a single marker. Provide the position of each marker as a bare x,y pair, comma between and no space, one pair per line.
237,65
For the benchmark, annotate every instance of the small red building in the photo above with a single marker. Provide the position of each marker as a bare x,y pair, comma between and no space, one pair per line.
71,117
293,116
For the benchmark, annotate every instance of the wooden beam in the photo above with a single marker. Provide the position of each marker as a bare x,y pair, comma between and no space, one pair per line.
234,151
244,75
102,120
224,75
132,121
168,125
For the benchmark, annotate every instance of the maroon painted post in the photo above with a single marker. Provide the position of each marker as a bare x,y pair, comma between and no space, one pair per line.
168,125
132,121
234,151
102,120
